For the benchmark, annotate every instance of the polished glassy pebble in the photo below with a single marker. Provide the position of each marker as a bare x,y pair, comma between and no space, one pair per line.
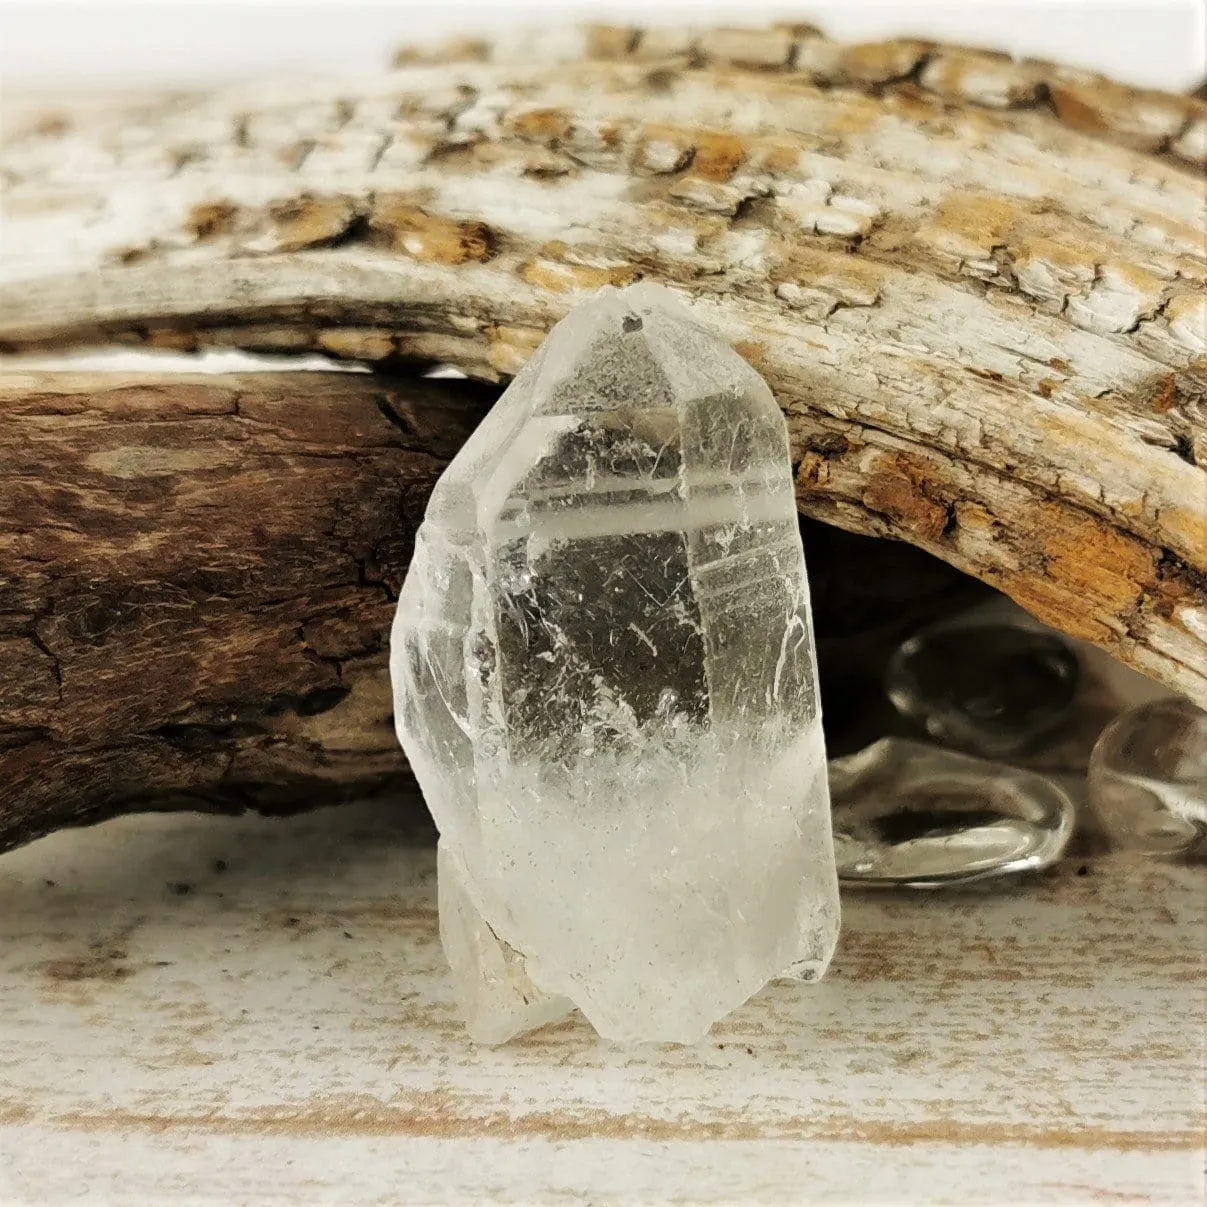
989,687
605,682
906,813
1147,779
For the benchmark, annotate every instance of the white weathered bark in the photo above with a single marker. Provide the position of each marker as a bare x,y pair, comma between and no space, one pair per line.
978,287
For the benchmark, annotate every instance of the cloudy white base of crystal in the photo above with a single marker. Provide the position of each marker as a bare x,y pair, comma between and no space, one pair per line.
657,922
605,682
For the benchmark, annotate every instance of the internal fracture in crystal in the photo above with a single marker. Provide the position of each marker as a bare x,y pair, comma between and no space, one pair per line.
605,681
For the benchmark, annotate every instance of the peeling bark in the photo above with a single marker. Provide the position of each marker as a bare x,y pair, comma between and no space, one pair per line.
978,288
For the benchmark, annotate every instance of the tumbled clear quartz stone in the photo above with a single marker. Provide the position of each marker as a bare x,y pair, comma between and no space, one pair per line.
989,686
1147,779
906,813
605,682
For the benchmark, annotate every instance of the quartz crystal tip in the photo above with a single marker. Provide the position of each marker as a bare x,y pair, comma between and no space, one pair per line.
605,682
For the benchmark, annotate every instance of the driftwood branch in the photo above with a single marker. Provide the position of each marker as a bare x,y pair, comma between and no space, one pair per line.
978,288
197,578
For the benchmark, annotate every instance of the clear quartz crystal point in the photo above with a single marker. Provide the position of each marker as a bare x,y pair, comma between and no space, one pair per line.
906,813
605,682
1147,779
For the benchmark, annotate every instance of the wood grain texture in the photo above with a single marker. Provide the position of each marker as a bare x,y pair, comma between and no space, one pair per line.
217,1010
979,289
197,578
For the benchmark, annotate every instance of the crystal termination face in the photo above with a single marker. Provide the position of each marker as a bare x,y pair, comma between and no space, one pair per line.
605,681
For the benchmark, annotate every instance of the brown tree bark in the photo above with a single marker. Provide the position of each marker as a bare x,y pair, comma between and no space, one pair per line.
196,578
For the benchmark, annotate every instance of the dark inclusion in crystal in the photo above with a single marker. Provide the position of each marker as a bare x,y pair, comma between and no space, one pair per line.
655,660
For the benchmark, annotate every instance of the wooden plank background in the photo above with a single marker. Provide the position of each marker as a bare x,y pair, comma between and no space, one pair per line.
217,1010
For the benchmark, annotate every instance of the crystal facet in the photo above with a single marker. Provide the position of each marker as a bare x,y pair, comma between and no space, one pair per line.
990,687
1147,778
910,814
605,681
498,999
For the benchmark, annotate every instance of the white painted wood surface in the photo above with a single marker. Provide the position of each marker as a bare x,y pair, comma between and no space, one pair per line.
282,1031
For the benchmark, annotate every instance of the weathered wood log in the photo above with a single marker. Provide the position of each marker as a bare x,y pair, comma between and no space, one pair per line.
197,578
978,287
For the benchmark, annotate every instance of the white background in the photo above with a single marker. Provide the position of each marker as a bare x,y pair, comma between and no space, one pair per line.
1154,43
